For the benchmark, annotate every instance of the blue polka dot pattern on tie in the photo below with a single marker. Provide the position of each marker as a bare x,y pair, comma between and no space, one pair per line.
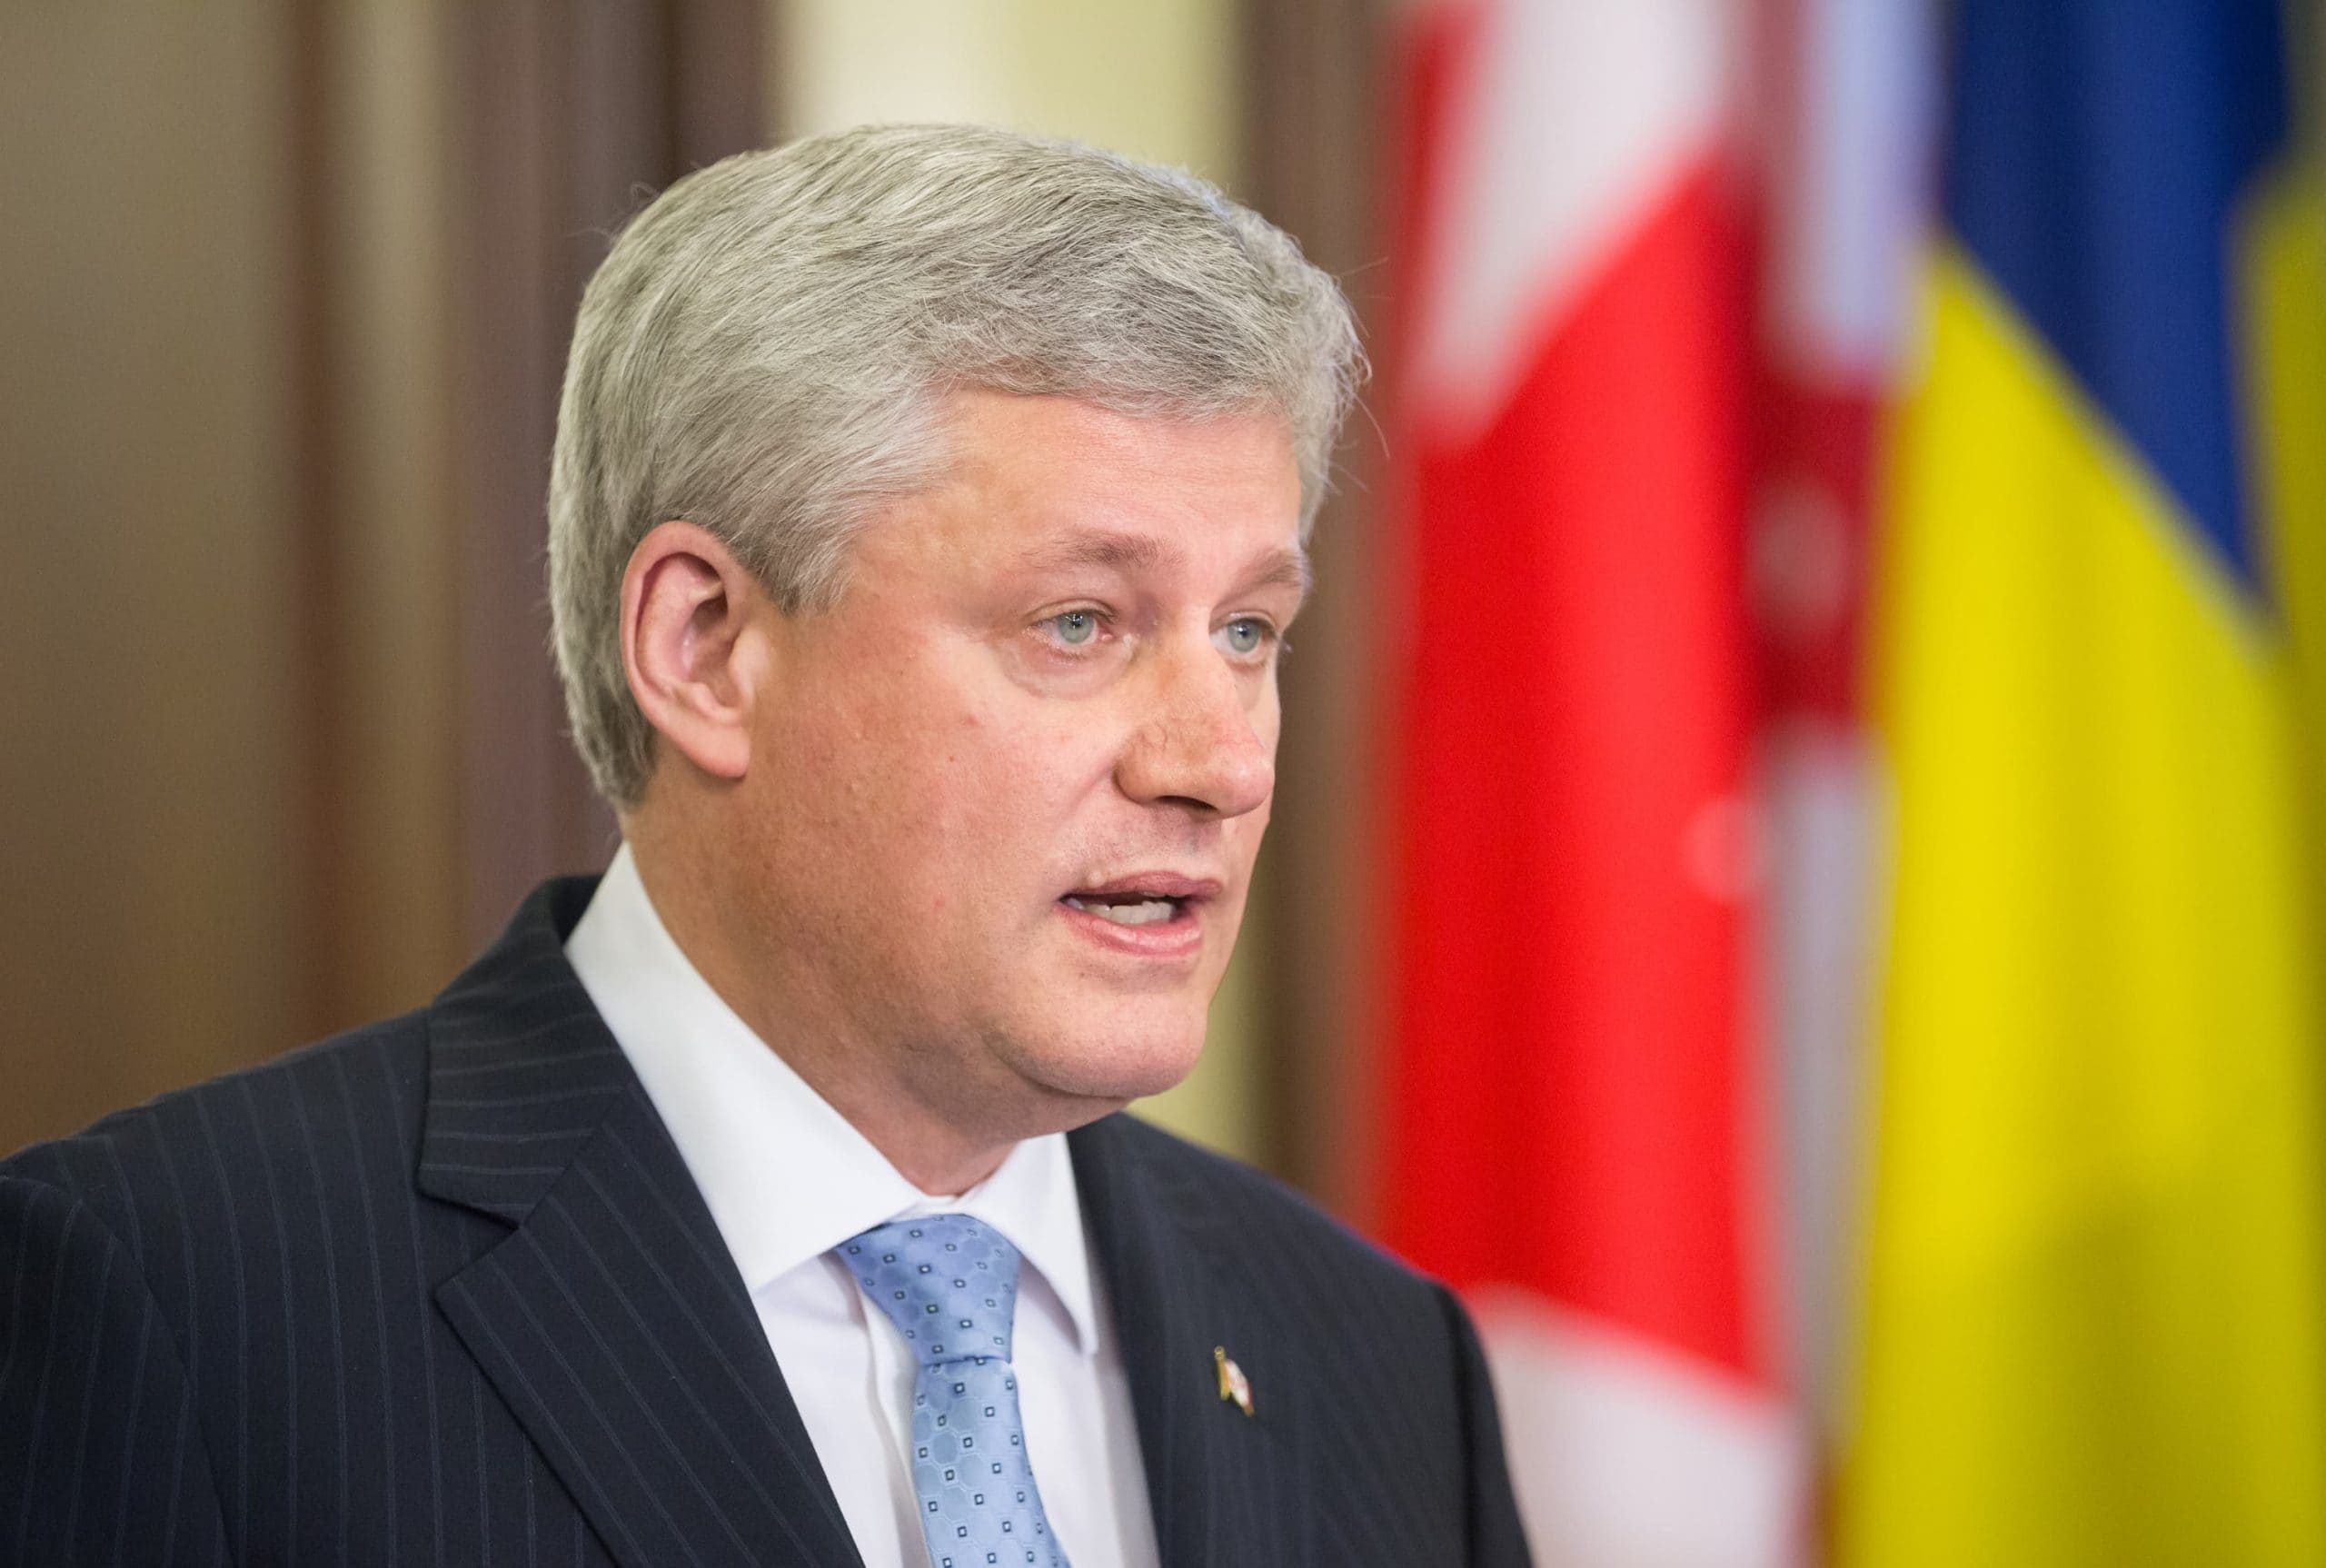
949,1284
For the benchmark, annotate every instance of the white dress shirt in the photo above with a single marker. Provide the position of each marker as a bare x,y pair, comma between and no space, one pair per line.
786,1177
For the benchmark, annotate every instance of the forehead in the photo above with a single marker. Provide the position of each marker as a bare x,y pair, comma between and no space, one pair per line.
1057,482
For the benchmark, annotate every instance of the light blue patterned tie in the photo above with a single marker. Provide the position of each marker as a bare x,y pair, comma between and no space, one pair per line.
949,1284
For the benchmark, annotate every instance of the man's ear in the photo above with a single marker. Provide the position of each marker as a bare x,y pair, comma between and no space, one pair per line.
686,605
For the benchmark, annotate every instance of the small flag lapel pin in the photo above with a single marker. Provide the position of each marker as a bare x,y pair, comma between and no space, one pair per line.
1233,1385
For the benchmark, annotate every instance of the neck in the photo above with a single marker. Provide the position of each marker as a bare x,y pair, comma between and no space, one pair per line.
936,1134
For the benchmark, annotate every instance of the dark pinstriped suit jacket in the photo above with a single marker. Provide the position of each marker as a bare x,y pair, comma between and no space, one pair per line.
441,1291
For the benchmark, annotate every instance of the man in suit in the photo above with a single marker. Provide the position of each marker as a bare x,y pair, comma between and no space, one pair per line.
926,514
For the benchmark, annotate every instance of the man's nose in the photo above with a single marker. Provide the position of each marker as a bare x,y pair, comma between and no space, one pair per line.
1198,746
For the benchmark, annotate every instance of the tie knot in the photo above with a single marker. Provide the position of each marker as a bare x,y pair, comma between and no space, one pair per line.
947,1282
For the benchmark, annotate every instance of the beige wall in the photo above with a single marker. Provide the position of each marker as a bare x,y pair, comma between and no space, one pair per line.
168,479
147,770
386,209
1157,80
283,293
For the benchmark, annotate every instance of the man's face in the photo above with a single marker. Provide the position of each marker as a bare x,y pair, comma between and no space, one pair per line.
1006,800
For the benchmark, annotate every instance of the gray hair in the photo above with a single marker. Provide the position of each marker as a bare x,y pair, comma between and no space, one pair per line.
766,351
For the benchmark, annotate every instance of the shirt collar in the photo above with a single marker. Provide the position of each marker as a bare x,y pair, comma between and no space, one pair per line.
786,1176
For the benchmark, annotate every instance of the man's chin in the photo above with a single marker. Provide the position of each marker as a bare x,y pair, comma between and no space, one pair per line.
1109,1074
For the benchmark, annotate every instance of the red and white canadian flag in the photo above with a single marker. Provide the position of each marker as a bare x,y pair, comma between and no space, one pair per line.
1574,1111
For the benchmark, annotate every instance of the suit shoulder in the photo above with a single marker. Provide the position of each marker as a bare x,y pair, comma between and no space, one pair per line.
1248,1212
214,1145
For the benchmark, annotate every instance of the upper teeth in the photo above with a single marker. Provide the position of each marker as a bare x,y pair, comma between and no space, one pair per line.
1144,913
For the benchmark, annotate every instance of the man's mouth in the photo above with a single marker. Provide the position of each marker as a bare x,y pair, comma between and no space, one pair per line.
1143,899
1126,909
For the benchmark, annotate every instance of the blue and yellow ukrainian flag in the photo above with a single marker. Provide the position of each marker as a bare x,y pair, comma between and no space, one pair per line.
2096,1319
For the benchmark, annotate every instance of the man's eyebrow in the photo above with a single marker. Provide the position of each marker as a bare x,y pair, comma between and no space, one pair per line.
1120,551
1282,568
1287,568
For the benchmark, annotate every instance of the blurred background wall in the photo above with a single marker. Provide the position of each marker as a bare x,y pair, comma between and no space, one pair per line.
154,745
287,302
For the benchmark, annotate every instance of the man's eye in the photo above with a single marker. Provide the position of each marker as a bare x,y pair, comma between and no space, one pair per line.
1248,635
1075,627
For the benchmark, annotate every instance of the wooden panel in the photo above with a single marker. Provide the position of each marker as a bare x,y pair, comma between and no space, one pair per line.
285,292
146,744
1315,87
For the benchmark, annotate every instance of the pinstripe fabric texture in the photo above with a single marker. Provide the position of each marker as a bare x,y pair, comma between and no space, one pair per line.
441,1291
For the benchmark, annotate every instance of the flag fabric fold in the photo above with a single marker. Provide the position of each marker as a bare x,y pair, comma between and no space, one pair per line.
2094,1326
1571,1105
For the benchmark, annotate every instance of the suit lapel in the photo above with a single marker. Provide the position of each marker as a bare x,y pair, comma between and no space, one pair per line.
1225,1486
610,1320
